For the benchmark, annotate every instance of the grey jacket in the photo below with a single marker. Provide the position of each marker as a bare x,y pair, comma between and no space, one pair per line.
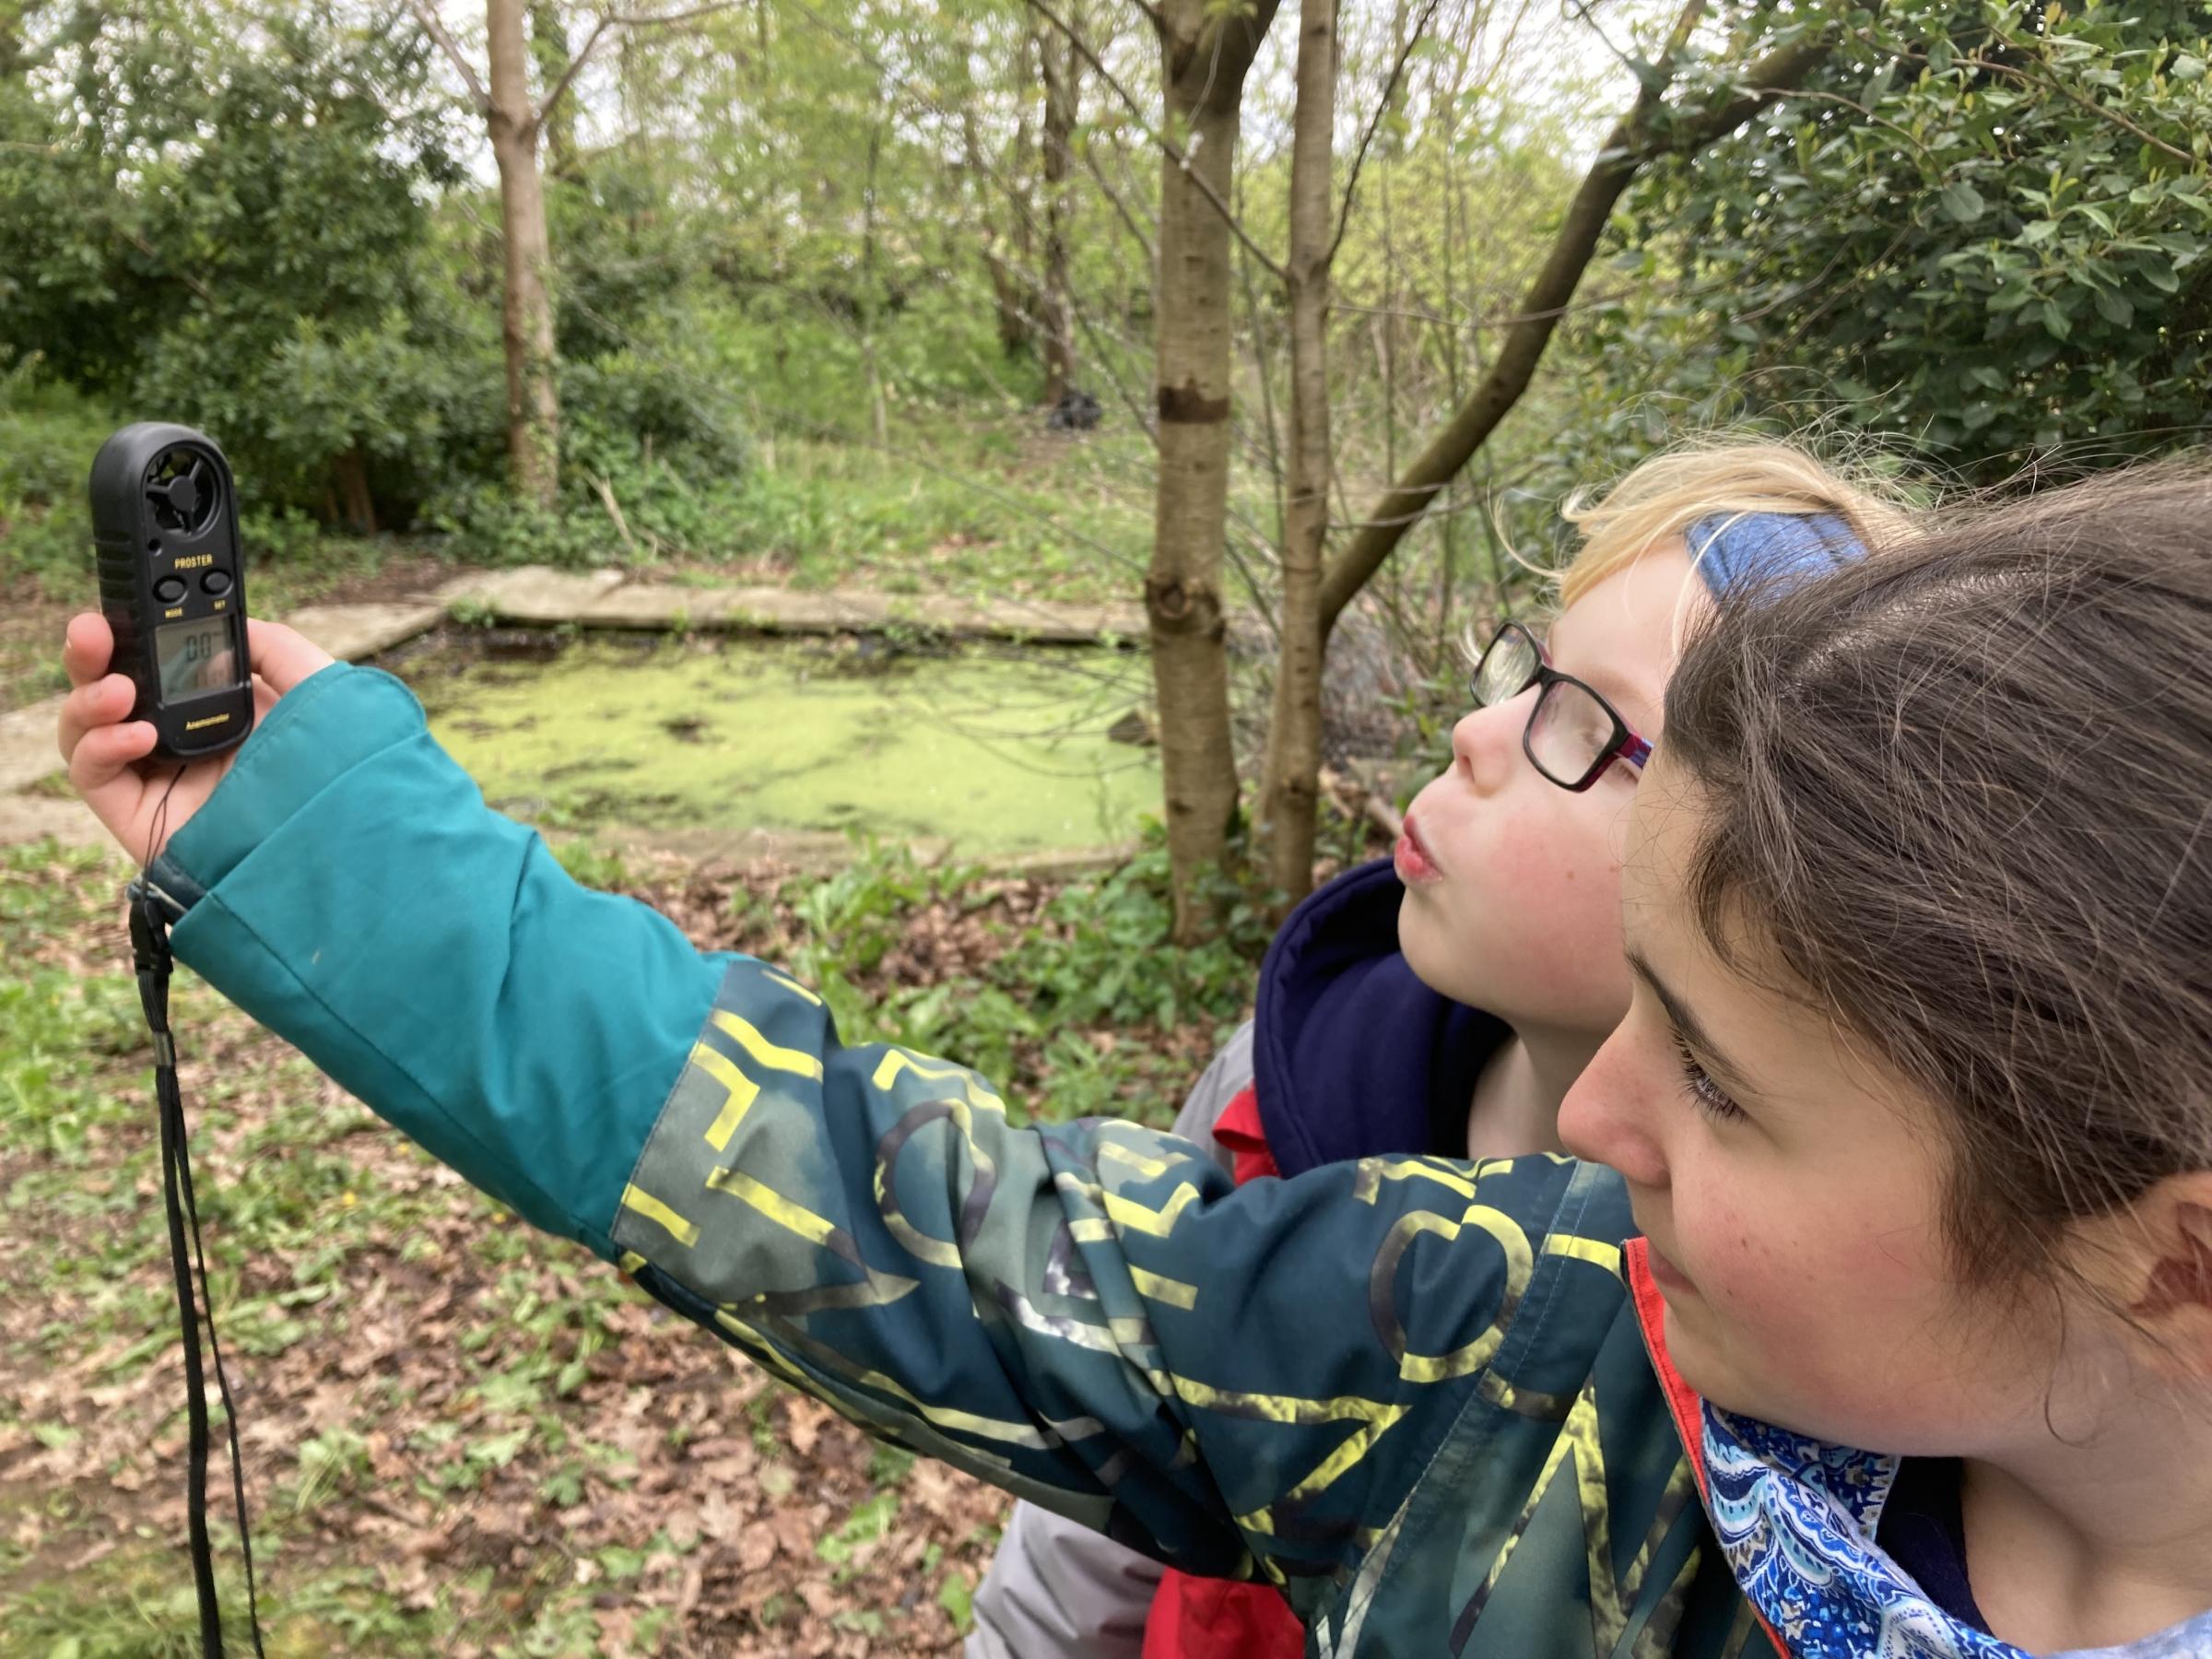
1058,1590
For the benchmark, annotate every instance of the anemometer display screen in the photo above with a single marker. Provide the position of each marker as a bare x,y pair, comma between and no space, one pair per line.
195,657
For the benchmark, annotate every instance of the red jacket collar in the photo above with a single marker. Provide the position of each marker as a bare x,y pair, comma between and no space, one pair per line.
1682,1401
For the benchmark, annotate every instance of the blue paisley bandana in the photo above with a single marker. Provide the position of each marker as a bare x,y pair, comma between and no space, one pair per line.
1796,1520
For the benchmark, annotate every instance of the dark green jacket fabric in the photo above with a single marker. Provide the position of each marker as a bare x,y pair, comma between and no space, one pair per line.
1410,1391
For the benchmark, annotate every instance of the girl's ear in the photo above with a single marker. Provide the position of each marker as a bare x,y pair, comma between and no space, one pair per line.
2170,1296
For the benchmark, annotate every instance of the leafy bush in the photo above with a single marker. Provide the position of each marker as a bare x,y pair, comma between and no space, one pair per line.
1986,231
48,437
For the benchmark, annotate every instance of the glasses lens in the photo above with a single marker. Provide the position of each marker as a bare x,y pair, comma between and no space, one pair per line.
1506,667
1569,732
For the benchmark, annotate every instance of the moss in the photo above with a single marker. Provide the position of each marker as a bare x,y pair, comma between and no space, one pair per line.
996,750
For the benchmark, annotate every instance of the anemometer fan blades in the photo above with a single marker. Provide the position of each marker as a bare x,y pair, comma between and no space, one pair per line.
181,489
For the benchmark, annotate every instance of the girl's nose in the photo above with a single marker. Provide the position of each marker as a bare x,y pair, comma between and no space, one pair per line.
1486,744
1607,1117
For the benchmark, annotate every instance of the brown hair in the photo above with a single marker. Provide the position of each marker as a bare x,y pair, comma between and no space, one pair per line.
1962,791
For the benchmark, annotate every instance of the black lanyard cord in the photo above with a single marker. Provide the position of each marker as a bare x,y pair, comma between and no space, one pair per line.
149,951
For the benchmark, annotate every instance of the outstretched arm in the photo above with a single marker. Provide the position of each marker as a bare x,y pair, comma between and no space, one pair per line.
1240,1382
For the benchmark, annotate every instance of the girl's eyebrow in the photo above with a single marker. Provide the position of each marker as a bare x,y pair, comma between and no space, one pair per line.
1686,1025
1600,678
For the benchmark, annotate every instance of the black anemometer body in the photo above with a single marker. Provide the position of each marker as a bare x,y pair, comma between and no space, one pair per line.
172,584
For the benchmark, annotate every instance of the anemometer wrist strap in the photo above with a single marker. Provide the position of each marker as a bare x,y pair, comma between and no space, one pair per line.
151,961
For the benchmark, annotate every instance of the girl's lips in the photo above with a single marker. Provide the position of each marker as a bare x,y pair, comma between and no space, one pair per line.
1663,1272
1410,858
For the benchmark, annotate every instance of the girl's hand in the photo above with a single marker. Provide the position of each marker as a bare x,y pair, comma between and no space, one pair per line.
103,744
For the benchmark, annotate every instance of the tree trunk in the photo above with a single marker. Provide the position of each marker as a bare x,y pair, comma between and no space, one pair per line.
1062,64
1290,787
1632,144
532,398
1008,290
549,50
879,420
1205,53
354,498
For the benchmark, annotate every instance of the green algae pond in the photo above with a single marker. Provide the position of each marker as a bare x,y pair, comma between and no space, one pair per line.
996,748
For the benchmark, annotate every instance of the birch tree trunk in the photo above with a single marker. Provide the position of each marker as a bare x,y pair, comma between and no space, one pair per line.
532,398
1205,54
1290,787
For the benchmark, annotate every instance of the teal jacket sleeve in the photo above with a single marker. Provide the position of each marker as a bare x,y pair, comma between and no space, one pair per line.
1239,1380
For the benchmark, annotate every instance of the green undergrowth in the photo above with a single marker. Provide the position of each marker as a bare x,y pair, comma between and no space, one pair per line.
1087,1010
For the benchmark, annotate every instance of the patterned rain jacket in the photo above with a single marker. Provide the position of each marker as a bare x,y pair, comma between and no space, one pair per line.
1416,1395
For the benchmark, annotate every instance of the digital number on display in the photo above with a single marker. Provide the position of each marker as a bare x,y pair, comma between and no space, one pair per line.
195,657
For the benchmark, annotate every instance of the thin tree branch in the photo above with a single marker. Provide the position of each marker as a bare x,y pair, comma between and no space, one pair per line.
436,31
2065,91
1167,147
609,21
1389,87
1120,206
1632,144
552,99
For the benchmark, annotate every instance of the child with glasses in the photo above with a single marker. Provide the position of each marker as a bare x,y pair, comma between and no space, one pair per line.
1442,1001
1885,1327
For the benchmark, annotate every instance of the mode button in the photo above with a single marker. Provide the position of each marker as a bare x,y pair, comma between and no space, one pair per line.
169,589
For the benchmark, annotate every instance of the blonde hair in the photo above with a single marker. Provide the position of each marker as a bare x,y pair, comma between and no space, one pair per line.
1707,477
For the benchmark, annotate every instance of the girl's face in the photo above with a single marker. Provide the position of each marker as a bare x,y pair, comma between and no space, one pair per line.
1791,1186
1513,886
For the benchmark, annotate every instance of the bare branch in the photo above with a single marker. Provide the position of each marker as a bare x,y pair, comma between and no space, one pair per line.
655,19
1632,144
612,20
436,31
1120,206
552,99
1389,87
1167,147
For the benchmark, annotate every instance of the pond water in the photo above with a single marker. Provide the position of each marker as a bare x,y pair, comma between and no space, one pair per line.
995,748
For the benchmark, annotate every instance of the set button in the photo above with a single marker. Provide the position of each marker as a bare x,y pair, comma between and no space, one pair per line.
215,582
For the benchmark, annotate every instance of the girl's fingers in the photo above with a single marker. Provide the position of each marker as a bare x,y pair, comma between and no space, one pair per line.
102,702
87,646
284,656
101,770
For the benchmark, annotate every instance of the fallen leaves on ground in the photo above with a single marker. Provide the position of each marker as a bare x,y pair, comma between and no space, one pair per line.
458,1435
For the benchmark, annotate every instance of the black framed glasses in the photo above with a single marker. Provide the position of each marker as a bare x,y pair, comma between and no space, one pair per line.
1573,733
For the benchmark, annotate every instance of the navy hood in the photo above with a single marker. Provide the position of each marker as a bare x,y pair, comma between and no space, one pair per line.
1352,1055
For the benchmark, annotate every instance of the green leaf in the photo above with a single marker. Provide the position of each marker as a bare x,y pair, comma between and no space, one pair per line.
2055,320
2161,276
2011,297
2188,67
1963,202
2116,309
958,1601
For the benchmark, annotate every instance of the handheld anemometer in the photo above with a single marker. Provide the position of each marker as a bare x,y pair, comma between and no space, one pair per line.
172,584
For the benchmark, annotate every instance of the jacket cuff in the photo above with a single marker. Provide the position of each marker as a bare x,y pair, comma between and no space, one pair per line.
290,758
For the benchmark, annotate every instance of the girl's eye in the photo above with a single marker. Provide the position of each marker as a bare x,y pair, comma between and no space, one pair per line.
1710,1098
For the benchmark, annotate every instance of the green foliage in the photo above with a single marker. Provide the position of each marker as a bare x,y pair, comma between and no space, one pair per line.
1040,1018
1986,230
49,434
218,215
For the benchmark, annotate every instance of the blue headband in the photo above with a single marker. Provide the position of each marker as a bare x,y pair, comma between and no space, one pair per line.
1745,549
